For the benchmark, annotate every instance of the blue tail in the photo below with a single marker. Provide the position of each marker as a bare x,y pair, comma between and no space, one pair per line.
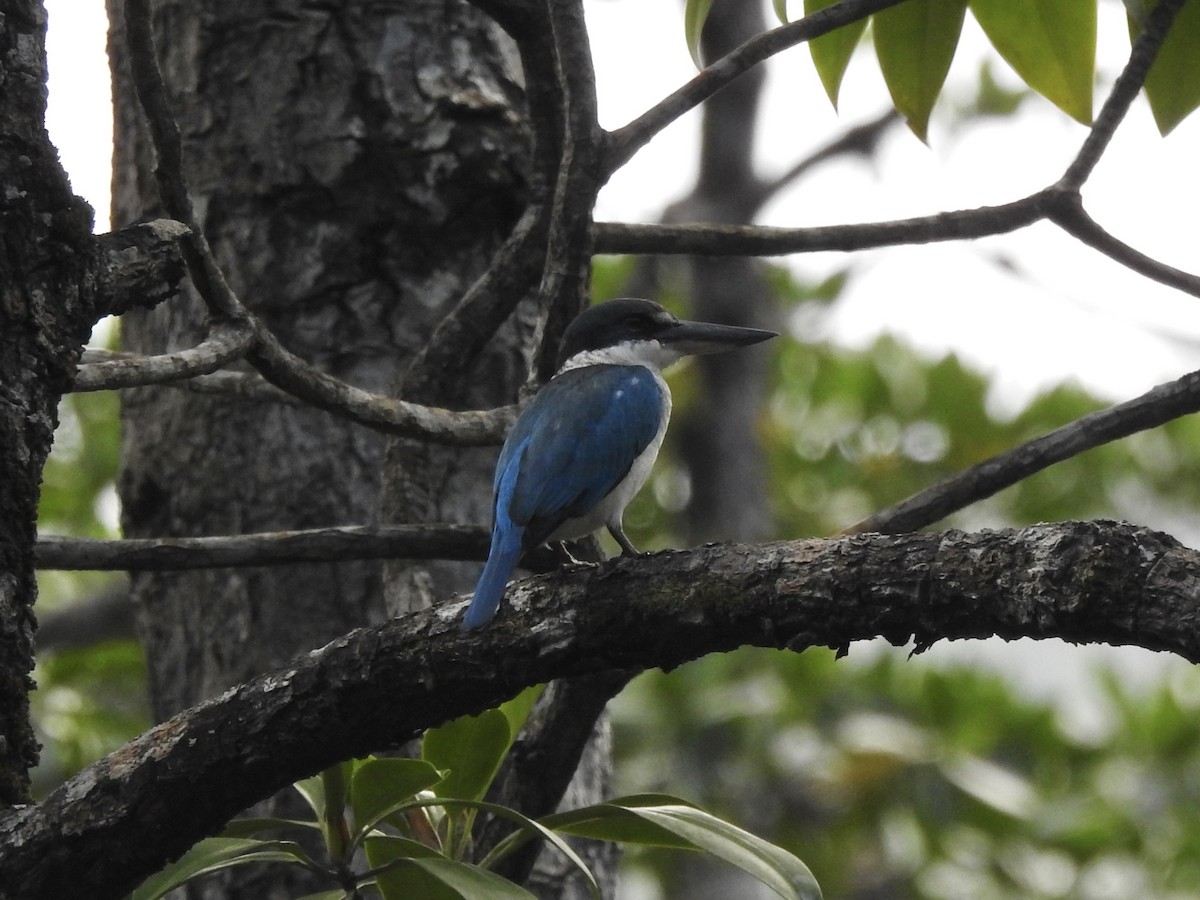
502,560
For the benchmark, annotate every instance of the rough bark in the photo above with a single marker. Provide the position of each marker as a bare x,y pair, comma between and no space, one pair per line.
1081,581
354,166
46,313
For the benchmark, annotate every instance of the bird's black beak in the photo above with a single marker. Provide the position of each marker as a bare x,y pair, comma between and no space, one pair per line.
695,338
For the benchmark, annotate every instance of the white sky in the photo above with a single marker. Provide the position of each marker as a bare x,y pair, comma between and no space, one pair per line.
1032,309
1070,313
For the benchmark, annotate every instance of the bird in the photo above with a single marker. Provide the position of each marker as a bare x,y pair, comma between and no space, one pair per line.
581,450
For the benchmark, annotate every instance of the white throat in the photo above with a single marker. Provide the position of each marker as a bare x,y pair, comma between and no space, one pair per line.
651,354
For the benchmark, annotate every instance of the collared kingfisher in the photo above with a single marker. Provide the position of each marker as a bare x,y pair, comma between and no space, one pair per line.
581,450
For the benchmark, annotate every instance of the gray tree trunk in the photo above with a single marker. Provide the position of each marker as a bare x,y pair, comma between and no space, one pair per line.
716,439
46,313
355,166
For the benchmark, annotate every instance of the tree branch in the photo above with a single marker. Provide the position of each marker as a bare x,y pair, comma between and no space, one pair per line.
862,140
227,341
106,616
247,385
140,266
1067,212
1156,407
288,372
761,240
460,542
627,140
376,688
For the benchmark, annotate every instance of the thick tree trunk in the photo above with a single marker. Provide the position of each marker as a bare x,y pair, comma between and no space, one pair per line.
355,166
46,307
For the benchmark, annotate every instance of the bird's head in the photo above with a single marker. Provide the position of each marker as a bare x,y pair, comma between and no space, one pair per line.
638,332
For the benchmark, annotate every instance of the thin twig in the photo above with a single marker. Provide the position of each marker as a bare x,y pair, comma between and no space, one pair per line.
1067,212
227,341
1156,407
287,371
562,292
861,139
627,140
168,145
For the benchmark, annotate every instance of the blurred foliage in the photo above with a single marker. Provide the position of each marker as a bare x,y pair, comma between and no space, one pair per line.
90,700
895,779
413,820
849,432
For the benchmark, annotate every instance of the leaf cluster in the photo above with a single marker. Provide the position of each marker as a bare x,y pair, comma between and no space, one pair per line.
398,828
1051,46
912,780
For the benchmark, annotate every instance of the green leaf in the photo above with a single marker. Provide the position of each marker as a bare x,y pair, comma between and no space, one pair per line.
780,11
695,13
915,43
438,878
469,750
243,828
831,52
378,785
529,828
213,854
614,822
674,823
337,894
1173,85
383,854
313,792
1050,43
518,708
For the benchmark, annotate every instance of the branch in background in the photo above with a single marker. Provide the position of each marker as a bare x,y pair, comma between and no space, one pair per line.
566,271
140,266
1067,212
378,687
761,240
1124,91
460,542
227,341
861,140
516,269
536,772
168,146
288,372
1154,408
627,140
108,616
247,385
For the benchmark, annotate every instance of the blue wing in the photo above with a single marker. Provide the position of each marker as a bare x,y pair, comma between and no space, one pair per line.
569,448
574,444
